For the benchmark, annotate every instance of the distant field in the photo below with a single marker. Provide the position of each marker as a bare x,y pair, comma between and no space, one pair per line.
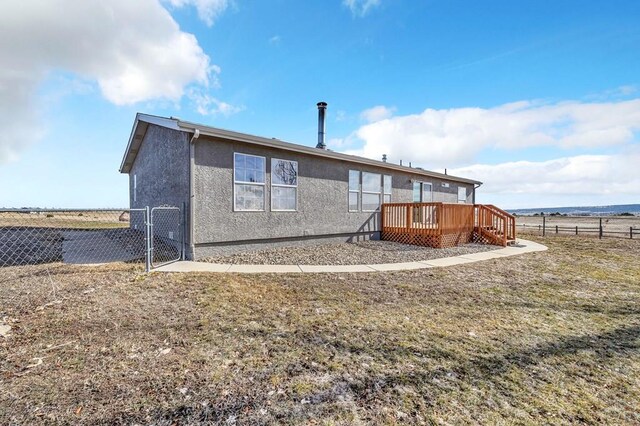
68,219
585,224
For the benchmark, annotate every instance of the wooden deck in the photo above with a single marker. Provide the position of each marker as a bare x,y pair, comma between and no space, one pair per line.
446,225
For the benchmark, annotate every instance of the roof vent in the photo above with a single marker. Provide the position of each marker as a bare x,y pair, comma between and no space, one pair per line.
322,107
384,158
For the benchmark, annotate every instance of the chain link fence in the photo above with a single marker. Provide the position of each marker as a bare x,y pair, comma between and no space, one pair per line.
167,242
82,236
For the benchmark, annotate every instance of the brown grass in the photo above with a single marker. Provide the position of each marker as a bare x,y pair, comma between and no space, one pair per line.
548,337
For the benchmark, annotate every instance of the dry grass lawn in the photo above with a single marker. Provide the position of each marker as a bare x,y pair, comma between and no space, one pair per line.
549,337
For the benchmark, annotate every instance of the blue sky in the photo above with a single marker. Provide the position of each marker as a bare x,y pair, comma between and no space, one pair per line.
538,99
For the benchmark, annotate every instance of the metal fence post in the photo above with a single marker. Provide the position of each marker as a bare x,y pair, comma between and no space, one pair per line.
149,236
576,229
184,231
556,229
544,227
631,232
600,233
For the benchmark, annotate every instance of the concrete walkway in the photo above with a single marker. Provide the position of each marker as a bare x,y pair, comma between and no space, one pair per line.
523,246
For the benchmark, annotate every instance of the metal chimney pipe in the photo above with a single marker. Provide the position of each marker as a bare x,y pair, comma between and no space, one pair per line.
322,107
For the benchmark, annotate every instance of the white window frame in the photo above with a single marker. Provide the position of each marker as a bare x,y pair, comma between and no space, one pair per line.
263,184
284,186
384,194
422,184
379,193
430,192
462,200
352,191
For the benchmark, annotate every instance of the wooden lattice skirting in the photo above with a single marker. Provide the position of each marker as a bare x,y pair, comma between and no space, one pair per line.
435,241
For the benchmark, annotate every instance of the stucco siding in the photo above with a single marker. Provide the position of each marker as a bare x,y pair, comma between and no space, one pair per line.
322,197
161,170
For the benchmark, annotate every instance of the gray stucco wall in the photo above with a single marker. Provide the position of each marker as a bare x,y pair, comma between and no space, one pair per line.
322,200
161,169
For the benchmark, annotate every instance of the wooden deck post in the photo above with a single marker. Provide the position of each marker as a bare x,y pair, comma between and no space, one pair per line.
409,214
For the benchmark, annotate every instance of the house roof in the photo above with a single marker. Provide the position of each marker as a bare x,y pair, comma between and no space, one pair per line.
142,122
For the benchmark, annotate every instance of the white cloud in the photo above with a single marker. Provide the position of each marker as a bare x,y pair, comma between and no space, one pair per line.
360,7
208,10
133,50
377,113
275,39
341,115
453,137
591,179
208,105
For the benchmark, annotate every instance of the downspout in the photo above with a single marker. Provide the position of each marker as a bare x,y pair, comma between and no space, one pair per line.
192,193
473,198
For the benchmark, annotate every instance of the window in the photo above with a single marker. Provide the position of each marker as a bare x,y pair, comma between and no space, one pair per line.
368,190
427,192
248,182
462,194
371,191
354,190
417,192
386,188
135,188
422,192
284,185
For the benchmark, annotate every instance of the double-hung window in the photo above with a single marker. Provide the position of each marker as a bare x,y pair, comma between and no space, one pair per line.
371,191
386,188
368,190
354,190
249,182
284,185
462,194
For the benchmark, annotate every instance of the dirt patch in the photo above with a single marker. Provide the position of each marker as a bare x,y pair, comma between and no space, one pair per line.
549,337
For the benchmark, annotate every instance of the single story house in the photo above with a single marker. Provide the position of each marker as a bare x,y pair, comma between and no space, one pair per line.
241,191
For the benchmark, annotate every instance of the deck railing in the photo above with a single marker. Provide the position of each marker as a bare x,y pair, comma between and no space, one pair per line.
494,224
445,224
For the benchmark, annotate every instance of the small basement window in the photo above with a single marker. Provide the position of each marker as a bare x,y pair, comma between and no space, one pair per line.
248,182
284,185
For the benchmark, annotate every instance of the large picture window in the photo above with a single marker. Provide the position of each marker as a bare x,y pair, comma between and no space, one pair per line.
284,185
249,182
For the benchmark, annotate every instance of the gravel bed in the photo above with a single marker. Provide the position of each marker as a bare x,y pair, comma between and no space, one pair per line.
364,252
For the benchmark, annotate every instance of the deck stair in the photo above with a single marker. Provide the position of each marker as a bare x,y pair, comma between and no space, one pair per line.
493,225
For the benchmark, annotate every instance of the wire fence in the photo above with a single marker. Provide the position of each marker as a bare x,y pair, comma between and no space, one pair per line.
601,227
88,236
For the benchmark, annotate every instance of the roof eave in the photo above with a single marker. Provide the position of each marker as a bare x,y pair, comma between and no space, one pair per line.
138,131
278,144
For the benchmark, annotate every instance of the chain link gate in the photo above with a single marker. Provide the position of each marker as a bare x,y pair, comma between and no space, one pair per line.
165,239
